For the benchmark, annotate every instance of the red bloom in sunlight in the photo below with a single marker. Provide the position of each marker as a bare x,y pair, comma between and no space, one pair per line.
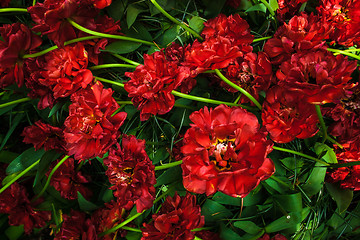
151,84
319,75
347,177
344,16
15,202
253,73
288,8
132,174
100,4
68,181
175,219
17,40
64,70
286,115
302,33
44,135
76,226
90,128
232,27
108,217
225,150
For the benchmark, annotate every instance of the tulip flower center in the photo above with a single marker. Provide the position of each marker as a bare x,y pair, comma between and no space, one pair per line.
125,175
223,154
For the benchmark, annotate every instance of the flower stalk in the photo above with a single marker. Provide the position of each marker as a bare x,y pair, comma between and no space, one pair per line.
322,122
4,10
168,165
337,52
126,59
14,102
301,155
112,65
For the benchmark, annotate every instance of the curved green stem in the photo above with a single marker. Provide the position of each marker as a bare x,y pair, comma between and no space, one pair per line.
300,154
168,165
183,25
322,123
109,81
344,53
56,47
240,89
126,60
49,177
105,35
4,10
112,65
268,7
14,102
261,39
19,176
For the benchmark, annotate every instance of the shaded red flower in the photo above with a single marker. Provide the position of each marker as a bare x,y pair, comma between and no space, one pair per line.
132,174
347,177
44,135
90,129
5,3
276,237
321,76
75,227
225,150
68,181
207,235
175,219
234,3
150,85
64,70
286,115
253,73
302,33
288,8
17,41
108,217
15,202
344,16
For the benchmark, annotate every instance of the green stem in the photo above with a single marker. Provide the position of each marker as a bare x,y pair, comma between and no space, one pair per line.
109,81
14,102
268,7
131,229
322,123
300,154
124,102
197,238
4,10
183,25
330,139
50,175
261,39
126,60
19,176
240,89
112,65
344,53
168,165
105,35
56,47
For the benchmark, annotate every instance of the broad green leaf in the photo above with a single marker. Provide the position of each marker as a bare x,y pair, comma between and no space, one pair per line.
14,123
336,219
24,160
138,30
196,23
117,9
227,233
316,179
293,163
213,211
44,164
133,235
213,8
85,205
248,226
274,4
122,47
55,108
258,7
226,199
291,202
14,232
7,157
131,14
277,186
342,197
168,36
292,219
325,152
170,175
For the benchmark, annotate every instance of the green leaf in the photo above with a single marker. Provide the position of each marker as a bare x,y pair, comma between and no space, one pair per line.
248,226
342,197
274,4
7,157
160,154
14,232
85,205
55,108
227,233
117,9
291,203
325,152
291,220
139,31
258,7
14,124
122,47
24,160
133,235
226,199
213,8
213,211
170,175
131,14
44,164
316,179
275,185
196,23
